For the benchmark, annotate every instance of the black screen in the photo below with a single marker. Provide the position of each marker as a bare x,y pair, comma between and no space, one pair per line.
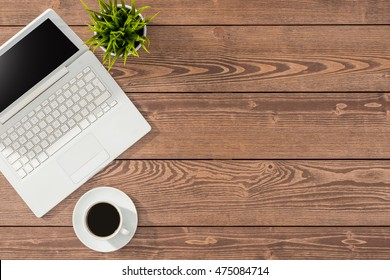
32,59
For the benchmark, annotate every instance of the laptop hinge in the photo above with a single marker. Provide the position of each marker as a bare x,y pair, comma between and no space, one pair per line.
34,94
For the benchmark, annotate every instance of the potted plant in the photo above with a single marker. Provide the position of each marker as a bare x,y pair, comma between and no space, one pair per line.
119,30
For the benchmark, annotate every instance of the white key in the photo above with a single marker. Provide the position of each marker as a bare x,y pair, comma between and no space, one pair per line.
49,129
24,119
35,163
99,114
36,129
22,140
113,103
10,130
17,165
64,128
65,86
40,115
84,124
91,107
69,103
38,108
65,139
75,97
98,84
82,92
44,103
51,139
15,145
58,92
21,130
61,99
86,70
67,94
29,145
89,77
51,98
69,113
58,133
24,160
89,87
14,157
14,136
3,136
22,173
29,134
74,88
47,110
96,92
91,118
78,118
106,109
49,119
71,123
56,124
44,144
81,83
84,112
89,97
32,113
35,140
34,120
42,157
7,141
83,103
76,108
79,75
31,154
56,114
37,149
102,98
22,150
62,119
42,134
2,147
54,104
28,168
7,152
72,81
42,124
27,125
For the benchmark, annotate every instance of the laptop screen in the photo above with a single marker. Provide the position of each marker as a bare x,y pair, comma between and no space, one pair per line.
31,59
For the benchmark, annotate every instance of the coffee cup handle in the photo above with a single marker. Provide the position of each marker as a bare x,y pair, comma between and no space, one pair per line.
124,231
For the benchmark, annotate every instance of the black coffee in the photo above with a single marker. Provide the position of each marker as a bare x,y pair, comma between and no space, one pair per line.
103,219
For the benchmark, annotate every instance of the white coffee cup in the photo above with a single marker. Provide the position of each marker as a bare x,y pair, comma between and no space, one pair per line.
104,220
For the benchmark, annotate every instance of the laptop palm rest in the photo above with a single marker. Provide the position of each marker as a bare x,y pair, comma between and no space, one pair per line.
83,158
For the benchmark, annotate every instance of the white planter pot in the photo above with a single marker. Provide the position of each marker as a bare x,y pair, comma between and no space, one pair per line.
143,34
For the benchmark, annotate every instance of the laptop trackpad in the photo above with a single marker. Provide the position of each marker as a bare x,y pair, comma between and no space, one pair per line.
83,158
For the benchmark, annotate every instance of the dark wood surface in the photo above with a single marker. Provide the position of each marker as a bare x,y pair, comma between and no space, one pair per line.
270,134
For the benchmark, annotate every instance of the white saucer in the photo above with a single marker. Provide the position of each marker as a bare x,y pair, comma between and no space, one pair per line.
130,218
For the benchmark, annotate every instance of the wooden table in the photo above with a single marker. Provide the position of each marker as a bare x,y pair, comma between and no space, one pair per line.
270,139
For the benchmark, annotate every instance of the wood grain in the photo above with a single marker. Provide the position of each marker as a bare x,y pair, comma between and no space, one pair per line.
205,243
263,126
257,59
233,193
214,12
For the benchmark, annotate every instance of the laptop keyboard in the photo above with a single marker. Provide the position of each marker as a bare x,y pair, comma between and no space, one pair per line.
55,122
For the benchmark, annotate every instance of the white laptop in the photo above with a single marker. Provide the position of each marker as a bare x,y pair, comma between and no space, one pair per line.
62,116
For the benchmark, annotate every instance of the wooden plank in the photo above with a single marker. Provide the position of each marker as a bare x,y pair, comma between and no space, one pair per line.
210,12
257,59
263,126
205,243
233,193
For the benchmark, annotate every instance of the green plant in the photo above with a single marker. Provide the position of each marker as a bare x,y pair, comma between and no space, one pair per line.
118,30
